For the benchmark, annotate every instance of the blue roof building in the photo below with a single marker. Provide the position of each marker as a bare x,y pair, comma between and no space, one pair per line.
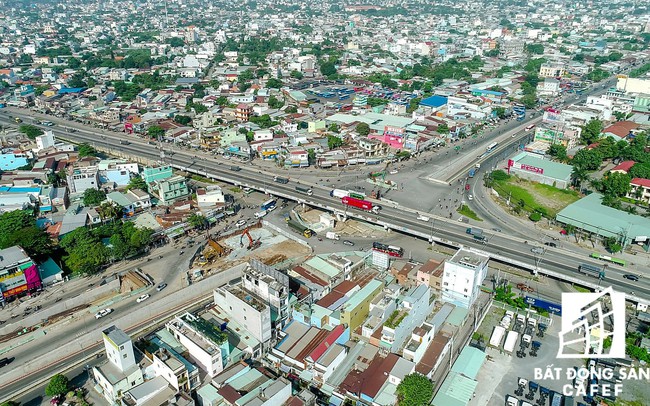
434,101
71,90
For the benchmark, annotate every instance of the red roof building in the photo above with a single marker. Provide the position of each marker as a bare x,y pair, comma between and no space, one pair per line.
623,167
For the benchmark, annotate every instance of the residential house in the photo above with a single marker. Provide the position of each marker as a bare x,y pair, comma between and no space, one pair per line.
640,189
171,190
83,177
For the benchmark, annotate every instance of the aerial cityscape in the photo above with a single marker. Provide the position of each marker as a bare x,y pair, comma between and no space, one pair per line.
268,203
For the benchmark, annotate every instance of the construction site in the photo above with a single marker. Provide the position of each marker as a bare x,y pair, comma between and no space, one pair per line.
256,241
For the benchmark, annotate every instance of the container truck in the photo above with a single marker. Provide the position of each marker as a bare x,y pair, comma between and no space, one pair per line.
511,341
304,189
306,232
332,236
474,231
360,204
497,336
280,180
338,193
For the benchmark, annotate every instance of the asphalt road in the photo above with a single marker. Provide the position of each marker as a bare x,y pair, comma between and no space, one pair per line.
507,248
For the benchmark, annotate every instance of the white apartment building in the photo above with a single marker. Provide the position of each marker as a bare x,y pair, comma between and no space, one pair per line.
462,277
246,308
121,372
207,352
271,286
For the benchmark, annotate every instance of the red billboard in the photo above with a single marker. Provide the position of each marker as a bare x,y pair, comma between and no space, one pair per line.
531,168
128,127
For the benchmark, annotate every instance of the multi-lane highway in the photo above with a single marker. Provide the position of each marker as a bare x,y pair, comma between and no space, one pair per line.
502,247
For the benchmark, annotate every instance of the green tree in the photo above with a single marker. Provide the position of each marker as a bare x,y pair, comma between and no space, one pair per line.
175,42
86,149
296,74
197,221
587,159
612,245
529,100
199,108
443,128
640,170
182,120
534,49
500,112
591,132
363,129
30,131
414,390
274,83
155,131
333,127
616,184
85,252
333,142
57,386
291,110
136,182
558,151
328,68
311,156
93,197
9,403
275,103
109,211
19,228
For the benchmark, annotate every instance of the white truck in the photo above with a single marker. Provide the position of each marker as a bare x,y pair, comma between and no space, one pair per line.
331,235
497,336
423,217
511,341
260,214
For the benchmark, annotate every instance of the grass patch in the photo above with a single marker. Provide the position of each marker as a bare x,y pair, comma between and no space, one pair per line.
235,189
467,212
203,179
535,196
581,289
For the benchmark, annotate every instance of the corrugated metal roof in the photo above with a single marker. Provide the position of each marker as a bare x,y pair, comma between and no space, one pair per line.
469,362
589,214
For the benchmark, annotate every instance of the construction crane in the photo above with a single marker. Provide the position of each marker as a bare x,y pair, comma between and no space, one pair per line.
252,244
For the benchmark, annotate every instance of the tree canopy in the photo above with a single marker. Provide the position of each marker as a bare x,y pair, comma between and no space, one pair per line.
182,120
155,131
93,197
30,131
414,390
363,129
18,227
587,159
334,142
86,149
591,132
136,182
558,151
57,386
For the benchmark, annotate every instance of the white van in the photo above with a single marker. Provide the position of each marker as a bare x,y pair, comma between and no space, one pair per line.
260,214
423,218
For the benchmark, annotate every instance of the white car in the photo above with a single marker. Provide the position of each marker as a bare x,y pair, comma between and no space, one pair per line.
394,172
142,298
240,223
470,197
103,312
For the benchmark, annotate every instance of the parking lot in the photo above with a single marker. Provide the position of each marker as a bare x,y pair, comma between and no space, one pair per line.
503,370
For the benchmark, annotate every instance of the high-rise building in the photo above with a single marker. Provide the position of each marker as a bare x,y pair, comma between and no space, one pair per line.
462,277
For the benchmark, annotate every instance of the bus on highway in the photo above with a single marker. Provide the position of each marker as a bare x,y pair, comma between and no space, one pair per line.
491,147
268,204
530,127
607,258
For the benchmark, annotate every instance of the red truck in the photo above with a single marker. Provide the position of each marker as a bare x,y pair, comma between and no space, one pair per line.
360,204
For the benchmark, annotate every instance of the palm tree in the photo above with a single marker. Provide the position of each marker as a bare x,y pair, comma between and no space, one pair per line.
638,192
578,176
109,211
